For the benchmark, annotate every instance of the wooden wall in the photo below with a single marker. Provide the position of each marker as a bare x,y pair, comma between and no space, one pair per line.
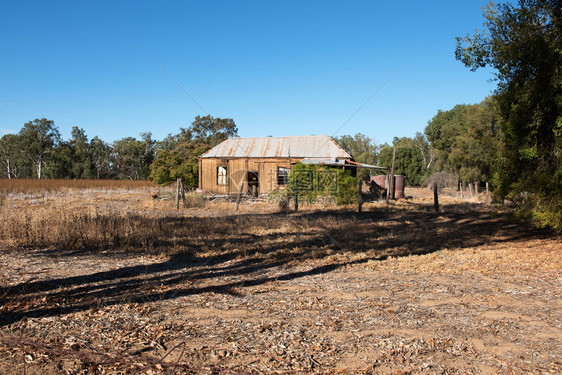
236,169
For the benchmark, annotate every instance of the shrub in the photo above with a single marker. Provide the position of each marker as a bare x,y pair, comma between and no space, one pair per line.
443,180
316,181
195,200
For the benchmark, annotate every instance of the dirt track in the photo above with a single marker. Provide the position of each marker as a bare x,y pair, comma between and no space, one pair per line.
482,296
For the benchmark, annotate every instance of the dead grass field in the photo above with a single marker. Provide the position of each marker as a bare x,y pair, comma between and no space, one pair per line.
113,281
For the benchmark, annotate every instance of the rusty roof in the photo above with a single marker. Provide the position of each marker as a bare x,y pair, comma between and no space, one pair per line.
309,146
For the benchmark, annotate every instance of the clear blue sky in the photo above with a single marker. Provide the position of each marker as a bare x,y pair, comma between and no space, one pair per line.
276,68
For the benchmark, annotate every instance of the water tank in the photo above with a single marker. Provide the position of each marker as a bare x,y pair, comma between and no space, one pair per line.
399,183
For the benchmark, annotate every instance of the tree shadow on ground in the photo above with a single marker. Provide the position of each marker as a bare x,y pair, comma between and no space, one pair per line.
234,252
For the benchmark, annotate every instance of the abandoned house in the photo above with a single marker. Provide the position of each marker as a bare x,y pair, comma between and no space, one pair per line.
263,164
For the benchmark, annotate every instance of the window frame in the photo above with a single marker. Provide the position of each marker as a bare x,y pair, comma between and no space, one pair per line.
222,178
285,177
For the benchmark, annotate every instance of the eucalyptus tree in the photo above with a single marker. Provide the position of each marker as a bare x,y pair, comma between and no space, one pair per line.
522,43
38,138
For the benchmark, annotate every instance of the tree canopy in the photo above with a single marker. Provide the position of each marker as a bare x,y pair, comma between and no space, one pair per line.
178,155
362,148
38,138
523,44
466,140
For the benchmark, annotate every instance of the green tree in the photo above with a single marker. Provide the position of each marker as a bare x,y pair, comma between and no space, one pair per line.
210,130
178,156
427,152
466,140
60,162
523,44
82,166
476,147
441,132
38,138
12,158
132,158
362,148
409,161
100,152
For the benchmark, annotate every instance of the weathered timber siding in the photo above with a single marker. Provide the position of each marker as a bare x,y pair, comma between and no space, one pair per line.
236,169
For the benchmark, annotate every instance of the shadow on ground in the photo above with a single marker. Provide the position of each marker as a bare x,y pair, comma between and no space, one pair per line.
227,254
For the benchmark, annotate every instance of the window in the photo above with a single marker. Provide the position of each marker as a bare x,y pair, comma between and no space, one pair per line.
282,175
222,177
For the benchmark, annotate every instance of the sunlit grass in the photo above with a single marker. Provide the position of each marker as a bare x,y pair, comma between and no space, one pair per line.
34,186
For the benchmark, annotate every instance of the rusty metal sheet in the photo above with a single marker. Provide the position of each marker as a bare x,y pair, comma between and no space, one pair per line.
310,146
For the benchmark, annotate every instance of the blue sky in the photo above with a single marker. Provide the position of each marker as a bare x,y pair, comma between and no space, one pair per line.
276,68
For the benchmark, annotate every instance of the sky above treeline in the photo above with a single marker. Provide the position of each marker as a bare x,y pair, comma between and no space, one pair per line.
114,68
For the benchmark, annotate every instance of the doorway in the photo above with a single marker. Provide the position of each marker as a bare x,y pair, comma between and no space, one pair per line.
253,183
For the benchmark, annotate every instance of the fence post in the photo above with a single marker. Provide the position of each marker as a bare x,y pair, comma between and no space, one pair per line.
182,191
239,197
387,186
392,196
359,196
296,194
435,197
177,194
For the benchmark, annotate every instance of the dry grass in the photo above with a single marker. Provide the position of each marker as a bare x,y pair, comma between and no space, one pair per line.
132,220
32,186
118,275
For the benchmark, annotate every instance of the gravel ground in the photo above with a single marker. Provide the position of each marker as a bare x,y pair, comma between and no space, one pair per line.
313,318
485,298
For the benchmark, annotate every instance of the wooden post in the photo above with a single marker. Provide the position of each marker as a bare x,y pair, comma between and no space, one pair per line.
359,196
178,193
392,195
182,191
296,194
435,197
387,186
470,190
239,197
476,188
487,190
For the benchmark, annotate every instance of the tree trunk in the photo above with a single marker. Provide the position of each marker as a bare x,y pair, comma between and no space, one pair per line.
392,174
9,170
459,186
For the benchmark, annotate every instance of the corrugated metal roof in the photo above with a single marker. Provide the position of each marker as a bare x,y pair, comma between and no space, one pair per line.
309,146
336,162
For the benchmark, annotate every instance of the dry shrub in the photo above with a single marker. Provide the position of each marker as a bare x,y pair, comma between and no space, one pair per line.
443,180
83,230
121,221
195,200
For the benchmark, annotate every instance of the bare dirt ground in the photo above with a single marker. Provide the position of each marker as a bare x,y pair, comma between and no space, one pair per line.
391,290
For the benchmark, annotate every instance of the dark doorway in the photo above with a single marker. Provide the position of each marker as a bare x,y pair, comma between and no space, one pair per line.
253,183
